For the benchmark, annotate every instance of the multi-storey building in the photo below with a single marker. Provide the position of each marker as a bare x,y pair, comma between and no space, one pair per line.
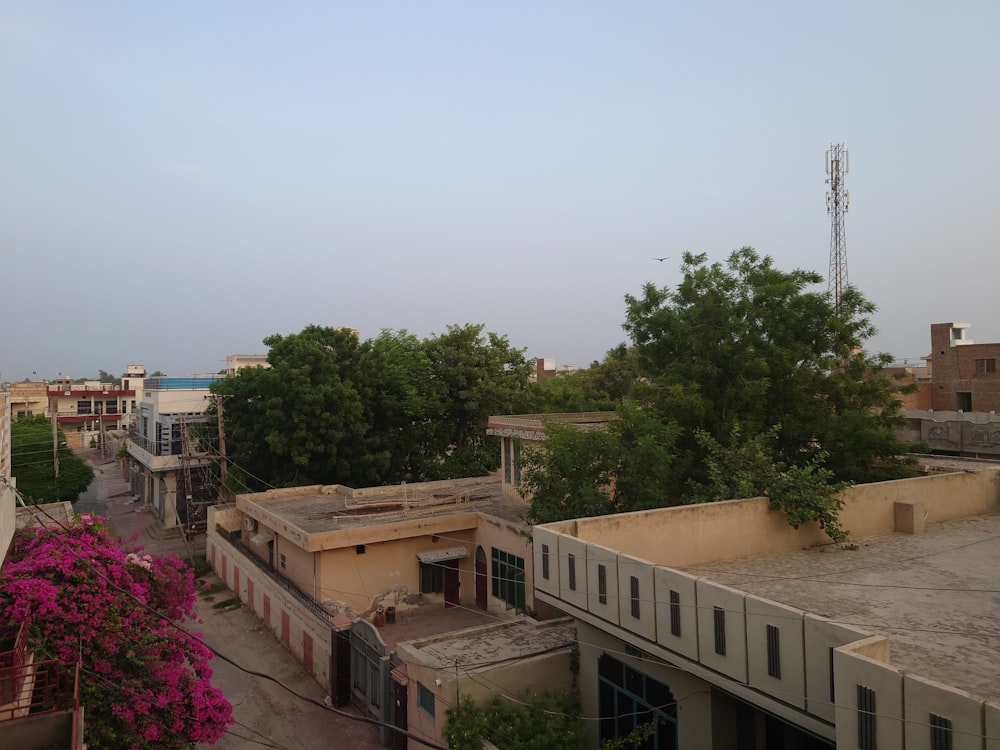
964,374
85,411
164,462
29,398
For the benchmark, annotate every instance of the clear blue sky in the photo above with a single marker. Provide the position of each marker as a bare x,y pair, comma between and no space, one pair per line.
180,180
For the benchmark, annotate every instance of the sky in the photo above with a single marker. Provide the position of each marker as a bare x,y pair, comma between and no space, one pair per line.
180,180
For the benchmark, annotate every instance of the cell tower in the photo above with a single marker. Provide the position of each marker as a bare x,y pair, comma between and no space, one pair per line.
838,164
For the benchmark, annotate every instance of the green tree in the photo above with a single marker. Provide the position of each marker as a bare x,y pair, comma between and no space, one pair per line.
32,465
536,723
745,382
479,375
746,343
624,466
332,409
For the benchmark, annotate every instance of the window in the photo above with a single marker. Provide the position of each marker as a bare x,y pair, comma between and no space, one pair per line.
359,549
866,718
675,613
940,733
773,653
634,595
111,406
719,615
628,699
281,561
431,578
602,584
545,561
508,578
425,699
986,366
571,562
83,407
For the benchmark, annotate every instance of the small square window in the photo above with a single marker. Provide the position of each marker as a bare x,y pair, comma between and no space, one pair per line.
425,699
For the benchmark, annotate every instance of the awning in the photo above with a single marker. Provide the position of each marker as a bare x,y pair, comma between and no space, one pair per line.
261,539
438,555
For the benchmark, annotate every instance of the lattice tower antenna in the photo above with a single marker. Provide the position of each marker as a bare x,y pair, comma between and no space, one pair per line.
838,164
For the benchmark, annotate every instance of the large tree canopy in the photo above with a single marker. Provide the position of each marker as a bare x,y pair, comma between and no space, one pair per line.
332,409
742,351
32,464
144,682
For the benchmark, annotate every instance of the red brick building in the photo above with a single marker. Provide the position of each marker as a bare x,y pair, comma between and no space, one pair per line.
964,374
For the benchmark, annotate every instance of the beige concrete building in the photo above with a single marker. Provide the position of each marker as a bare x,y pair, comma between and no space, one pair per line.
86,411
519,433
521,658
29,398
326,567
236,362
734,630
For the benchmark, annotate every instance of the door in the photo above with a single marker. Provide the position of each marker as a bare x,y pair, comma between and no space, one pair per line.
481,579
451,596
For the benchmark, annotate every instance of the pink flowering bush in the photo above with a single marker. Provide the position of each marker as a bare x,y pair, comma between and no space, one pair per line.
144,683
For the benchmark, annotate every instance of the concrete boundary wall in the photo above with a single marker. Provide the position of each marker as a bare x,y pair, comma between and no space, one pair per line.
291,623
729,530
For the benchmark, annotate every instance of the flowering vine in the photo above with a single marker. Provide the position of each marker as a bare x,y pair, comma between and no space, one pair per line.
144,682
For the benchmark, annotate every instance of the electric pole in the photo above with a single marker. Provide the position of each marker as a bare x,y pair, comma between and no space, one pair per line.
837,199
224,464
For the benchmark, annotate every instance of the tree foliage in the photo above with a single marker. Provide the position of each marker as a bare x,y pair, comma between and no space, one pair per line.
617,467
143,683
32,464
533,724
332,409
758,383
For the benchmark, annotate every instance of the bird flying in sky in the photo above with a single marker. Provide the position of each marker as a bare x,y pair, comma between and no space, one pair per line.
667,257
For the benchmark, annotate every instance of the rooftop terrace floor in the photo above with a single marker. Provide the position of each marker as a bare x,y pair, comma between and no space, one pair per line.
936,595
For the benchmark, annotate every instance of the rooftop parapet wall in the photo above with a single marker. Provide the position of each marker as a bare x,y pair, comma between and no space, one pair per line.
696,534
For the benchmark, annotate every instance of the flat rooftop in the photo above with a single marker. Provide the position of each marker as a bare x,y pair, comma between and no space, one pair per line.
486,646
322,510
936,595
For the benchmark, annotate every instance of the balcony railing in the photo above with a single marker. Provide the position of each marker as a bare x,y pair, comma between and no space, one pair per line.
235,538
38,688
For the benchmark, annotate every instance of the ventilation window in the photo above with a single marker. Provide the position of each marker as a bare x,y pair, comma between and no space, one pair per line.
359,549
866,718
571,562
675,613
773,653
545,561
940,733
602,584
719,615
634,591
281,561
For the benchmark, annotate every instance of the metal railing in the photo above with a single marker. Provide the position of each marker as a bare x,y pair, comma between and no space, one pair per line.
235,538
42,687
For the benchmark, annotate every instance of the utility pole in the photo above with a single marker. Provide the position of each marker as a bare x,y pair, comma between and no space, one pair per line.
55,438
224,464
838,164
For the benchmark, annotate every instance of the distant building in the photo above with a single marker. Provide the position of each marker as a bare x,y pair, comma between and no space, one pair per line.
545,369
730,629
29,398
161,455
85,411
522,432
236,362
964,375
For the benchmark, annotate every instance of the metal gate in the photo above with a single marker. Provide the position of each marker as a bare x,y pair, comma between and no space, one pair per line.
371,675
